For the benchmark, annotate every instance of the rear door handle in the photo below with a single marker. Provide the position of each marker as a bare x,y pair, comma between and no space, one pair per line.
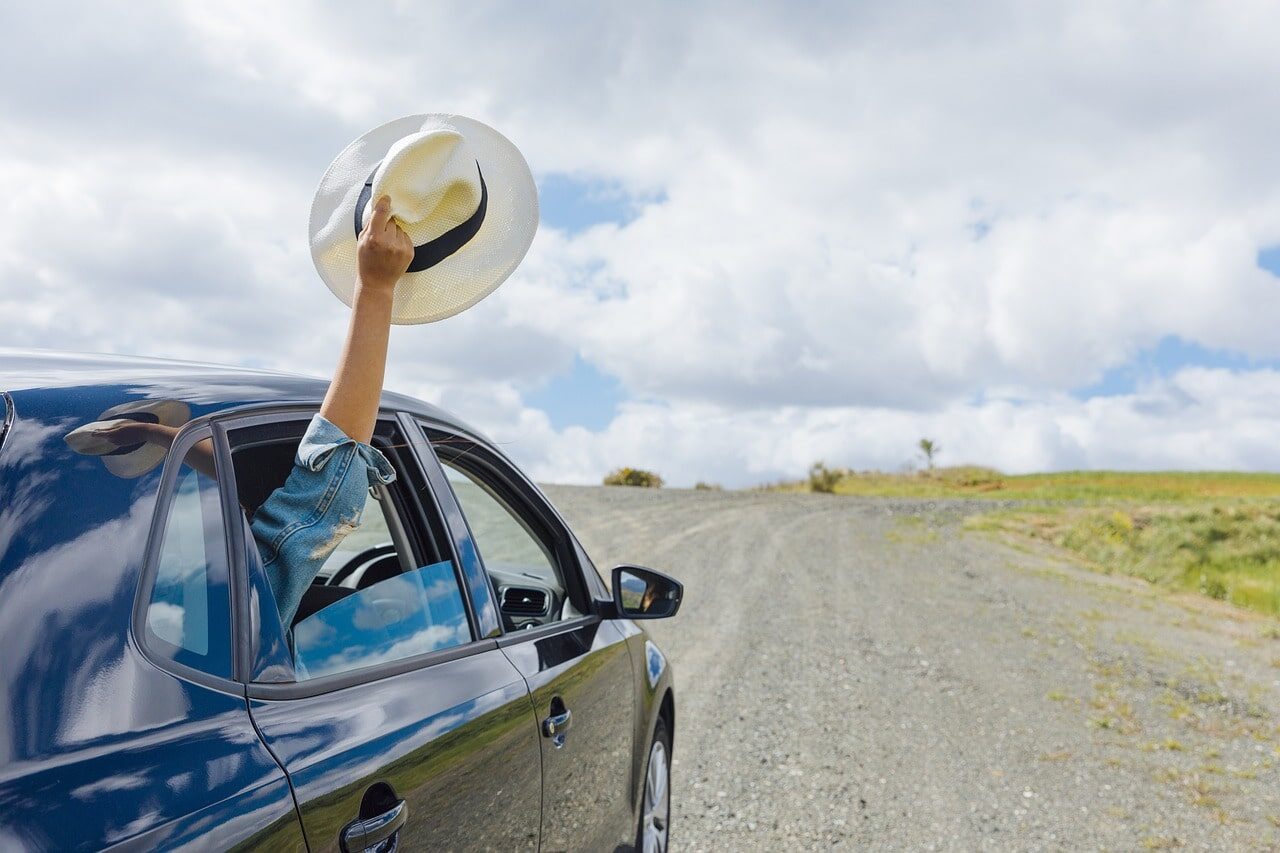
556,725
360,835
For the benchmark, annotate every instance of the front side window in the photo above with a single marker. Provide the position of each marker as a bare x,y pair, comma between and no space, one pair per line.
188,617
519,559
376,582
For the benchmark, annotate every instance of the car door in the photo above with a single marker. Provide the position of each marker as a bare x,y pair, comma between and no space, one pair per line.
396,716
576,664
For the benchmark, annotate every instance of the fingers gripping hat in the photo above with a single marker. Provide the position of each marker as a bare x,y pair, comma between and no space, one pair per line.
458,188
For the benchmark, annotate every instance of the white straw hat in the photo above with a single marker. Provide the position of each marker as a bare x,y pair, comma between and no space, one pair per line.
132,460
459,189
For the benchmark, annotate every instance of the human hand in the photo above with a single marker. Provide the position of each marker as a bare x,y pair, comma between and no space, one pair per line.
124,432
383,252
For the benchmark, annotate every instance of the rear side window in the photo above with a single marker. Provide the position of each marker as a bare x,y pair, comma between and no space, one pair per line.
188,617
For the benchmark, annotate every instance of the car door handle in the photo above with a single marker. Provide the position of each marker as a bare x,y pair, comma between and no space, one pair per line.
556,725
360,835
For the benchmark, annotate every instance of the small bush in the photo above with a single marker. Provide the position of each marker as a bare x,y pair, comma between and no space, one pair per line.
708,487
633,477
823,479
973,477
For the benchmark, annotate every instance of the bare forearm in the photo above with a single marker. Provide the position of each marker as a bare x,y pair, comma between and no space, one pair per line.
199,455
351,403
384,252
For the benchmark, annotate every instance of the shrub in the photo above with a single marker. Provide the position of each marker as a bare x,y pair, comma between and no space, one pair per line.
973,477
708,487
822,478
633,477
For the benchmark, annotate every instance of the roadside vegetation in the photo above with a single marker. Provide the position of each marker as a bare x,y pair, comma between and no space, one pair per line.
633,477
969,481
1212,533
1229,551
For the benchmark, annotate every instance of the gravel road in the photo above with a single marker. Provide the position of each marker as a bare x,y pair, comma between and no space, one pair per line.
869,674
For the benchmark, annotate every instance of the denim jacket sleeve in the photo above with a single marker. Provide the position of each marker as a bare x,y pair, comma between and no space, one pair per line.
303,521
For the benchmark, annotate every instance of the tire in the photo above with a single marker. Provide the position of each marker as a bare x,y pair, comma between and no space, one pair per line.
653,833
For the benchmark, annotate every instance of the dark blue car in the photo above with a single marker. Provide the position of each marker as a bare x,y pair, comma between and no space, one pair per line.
458,676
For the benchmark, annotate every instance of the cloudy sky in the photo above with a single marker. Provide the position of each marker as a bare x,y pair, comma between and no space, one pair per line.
1045,235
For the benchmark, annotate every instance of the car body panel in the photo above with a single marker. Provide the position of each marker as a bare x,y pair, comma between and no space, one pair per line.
655,696
585,797
457,741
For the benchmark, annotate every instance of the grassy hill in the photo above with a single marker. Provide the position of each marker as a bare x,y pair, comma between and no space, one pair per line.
1214,533
1091,486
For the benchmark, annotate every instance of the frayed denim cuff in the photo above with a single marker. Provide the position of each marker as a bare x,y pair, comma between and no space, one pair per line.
303,521
323,439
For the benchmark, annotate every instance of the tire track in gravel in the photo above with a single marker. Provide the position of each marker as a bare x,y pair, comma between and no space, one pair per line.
864,675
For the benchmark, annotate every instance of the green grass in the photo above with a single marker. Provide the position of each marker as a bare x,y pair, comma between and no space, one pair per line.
1227,551
1087,486
1213,533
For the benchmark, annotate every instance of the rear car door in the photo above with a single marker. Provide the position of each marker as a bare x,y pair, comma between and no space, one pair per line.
388,701
576,664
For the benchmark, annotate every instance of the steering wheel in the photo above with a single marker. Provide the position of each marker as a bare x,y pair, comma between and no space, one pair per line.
368,555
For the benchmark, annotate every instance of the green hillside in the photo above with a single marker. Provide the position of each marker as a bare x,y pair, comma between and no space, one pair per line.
1100,486
1216,533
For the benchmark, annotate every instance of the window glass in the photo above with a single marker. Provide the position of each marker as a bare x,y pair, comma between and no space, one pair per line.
530,586
405,615
385,591
188,617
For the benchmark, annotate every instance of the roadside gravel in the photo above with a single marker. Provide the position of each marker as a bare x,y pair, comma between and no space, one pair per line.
867,674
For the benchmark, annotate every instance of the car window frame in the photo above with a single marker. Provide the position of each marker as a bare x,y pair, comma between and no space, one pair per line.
243,642
512,483
186,438
7,421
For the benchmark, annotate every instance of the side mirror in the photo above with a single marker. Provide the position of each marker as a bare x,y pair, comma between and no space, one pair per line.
640,593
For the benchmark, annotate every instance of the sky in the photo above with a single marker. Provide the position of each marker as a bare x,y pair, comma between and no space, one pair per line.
1045,235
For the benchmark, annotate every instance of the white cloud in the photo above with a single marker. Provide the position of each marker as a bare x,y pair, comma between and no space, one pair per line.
1205,419
866,220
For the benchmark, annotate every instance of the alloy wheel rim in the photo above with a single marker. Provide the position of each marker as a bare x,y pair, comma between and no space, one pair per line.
657,800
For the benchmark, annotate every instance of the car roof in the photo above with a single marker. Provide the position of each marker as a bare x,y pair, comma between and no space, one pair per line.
74,384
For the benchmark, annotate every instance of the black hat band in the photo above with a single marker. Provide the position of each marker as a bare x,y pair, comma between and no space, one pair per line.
141,417
434,251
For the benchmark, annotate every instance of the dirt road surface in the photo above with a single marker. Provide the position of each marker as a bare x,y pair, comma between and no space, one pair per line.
868,674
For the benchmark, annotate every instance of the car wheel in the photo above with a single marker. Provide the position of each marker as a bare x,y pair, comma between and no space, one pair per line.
655,808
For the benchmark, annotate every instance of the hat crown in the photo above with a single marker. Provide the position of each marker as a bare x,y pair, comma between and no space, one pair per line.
432,180
460,190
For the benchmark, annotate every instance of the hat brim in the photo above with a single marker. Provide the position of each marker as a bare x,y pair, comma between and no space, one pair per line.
135,463
463,278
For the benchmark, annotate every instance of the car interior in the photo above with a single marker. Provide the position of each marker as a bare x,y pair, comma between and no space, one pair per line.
522,572
521,568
